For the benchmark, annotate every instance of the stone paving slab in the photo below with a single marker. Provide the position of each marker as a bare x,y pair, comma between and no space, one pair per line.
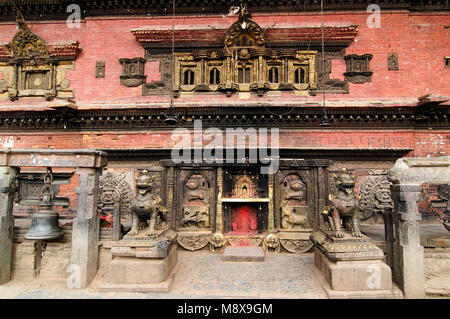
201,275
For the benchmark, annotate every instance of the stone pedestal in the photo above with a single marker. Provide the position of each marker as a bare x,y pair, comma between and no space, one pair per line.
352,267
143,264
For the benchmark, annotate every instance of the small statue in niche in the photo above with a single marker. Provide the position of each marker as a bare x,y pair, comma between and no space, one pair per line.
343,206
196,202
217,241
47,191
293,206
146,207
271,243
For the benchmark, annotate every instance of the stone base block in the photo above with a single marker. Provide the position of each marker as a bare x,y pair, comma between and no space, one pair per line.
132,270
394,293
163,286
354,275
246,253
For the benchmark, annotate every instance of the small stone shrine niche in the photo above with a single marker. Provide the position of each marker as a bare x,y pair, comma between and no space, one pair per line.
293,205
196,209
33,69
245,201
358,68
392,61
244,187
100,69
132,72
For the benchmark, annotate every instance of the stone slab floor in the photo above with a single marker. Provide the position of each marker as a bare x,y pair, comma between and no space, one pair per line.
202,274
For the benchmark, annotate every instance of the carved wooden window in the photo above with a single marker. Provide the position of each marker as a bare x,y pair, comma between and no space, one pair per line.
189,76
243,75
132,72
300,76
245,64
273,75
214,76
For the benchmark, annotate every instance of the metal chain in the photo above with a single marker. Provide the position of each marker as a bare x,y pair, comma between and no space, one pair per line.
44,248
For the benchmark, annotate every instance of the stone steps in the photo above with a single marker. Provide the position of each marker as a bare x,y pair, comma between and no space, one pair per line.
243,254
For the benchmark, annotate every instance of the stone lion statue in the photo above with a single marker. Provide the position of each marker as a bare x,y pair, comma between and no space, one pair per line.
146,208
343,207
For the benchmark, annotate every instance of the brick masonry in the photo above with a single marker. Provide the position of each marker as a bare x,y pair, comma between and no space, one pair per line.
420,39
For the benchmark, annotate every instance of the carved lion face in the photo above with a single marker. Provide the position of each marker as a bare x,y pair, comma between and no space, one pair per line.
144,181
272,241
345,180
217,239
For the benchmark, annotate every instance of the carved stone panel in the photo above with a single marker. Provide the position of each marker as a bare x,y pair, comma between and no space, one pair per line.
293,200
196,193
375,195
115,187
196,200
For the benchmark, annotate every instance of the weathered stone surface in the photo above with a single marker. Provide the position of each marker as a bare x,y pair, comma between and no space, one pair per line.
354,275
407,176
131,270
421,170
346,248
157,246
85,235
7,176
249,253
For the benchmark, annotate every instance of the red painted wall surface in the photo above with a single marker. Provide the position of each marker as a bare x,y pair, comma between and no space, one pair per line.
420,39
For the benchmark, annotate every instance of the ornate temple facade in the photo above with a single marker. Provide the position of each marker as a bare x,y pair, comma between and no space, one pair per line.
350,89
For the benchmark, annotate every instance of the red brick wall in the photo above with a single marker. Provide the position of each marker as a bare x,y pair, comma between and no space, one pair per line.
419,39
424,143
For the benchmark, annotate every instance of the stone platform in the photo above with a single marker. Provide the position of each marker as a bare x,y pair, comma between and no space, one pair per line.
143,263
351,267
243,254
133,274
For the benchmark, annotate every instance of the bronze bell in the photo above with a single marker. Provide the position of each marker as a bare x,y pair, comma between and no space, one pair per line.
44,223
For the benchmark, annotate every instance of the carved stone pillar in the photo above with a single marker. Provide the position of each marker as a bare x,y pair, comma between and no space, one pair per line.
408,253
219,219
7,180
270,224
407,176
170,194
85,234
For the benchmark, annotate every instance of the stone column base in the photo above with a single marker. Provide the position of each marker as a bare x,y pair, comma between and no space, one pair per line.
352,267
354,274
394,293
133,274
